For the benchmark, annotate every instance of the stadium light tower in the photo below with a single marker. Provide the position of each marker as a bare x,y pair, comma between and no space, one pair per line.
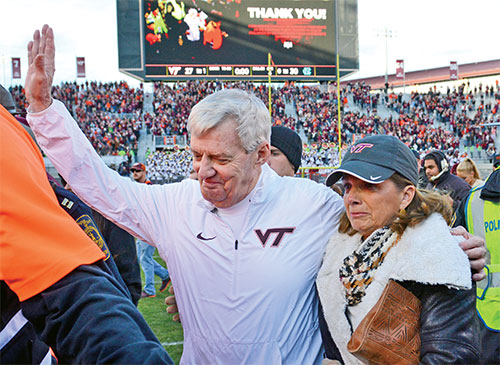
386,33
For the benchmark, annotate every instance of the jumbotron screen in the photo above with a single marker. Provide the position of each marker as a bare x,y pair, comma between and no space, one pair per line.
231,39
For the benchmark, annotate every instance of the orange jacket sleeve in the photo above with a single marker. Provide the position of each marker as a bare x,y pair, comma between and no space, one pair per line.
39,242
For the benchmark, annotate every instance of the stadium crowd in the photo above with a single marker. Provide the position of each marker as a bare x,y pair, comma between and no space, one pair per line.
173,101
110,114
168,166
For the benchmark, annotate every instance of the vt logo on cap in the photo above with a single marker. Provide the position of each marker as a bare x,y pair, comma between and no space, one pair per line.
360,147
375,159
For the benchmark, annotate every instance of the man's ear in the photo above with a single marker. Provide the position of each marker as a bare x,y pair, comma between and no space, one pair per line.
263,153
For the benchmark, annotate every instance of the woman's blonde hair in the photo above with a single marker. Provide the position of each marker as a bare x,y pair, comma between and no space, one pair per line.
424,203
468,165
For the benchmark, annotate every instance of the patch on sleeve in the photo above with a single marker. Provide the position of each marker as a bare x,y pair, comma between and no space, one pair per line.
87,224
67,203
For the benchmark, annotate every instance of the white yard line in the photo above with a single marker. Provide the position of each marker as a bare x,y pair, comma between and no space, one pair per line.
172,343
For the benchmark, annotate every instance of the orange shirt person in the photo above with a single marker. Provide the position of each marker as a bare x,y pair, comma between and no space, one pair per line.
37,237
83,312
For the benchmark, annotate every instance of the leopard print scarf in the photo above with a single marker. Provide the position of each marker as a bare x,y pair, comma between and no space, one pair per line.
357,270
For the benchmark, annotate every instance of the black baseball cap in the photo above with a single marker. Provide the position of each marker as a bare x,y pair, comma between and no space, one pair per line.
374,159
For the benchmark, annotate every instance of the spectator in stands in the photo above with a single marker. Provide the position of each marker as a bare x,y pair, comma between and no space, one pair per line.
168,166
468,171
145,251
111,124
138,171
454,158
491,151
286,151
437,170
61,285
109,113
123,168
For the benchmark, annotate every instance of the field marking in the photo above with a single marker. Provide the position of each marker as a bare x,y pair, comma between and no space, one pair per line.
172,343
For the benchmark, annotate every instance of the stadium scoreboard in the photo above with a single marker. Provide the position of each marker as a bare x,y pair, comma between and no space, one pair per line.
232,39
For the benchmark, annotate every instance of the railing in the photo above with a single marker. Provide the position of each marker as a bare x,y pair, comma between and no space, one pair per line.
170,141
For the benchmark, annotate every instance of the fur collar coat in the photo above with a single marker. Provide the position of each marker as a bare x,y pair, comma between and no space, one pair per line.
426,253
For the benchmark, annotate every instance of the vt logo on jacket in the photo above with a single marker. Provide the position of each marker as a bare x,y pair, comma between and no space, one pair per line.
263,237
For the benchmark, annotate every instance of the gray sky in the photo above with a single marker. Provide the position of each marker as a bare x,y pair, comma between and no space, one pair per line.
426,34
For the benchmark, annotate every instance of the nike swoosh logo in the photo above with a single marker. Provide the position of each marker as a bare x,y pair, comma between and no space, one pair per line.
200,237
375,177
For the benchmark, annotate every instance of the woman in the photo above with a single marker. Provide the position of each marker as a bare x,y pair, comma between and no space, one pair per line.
391,230
468,171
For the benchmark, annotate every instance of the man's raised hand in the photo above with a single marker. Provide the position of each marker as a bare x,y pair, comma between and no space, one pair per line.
41,69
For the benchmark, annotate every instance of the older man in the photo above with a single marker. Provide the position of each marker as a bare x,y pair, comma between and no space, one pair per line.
242,244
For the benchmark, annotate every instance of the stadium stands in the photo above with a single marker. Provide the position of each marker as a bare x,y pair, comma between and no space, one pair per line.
111,115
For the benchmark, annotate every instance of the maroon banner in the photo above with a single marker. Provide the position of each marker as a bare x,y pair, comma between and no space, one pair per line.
400,69
80,67
16,68
453,70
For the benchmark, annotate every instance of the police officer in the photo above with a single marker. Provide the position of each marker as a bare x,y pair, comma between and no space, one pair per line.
480,214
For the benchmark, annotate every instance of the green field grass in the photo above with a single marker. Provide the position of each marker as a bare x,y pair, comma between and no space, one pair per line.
168,332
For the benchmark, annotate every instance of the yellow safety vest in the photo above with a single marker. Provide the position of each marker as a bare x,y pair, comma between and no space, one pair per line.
483,219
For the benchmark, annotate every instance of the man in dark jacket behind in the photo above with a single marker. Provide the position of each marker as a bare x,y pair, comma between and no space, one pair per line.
117,242
120,243
438,172
122,247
